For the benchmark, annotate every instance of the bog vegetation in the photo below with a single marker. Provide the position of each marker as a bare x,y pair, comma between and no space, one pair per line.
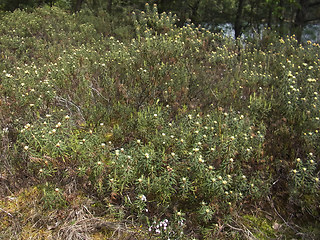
170,133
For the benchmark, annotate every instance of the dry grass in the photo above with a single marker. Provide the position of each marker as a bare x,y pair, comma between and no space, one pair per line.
81,223
23,217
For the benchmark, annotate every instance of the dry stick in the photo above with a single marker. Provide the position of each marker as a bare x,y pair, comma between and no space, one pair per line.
61,99
99,94
274,208
245,230
234,228
6,212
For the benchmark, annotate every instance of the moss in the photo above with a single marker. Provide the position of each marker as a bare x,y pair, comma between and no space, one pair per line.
100,236
21,203
31,232
261,227
18,213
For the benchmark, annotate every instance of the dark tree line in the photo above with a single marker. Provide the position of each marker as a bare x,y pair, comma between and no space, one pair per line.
285,16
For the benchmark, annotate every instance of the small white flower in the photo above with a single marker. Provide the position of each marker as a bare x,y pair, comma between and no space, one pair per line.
201,159
143,198
311,80
26,148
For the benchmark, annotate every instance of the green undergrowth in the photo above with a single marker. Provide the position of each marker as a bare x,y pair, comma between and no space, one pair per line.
175,133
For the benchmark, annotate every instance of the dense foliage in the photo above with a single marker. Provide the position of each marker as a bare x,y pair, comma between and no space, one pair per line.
182,131
239,17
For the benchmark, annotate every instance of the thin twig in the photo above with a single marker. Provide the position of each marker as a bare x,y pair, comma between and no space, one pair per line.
6,212
276,211
99,94
234,228
61,99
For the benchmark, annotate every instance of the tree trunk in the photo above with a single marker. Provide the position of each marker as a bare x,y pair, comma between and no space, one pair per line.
77,5
194,11
300,20
109,6
281,19
269,22
238,20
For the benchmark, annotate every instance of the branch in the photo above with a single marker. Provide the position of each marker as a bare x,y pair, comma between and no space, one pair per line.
312,20
6,212
314,4
61,99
